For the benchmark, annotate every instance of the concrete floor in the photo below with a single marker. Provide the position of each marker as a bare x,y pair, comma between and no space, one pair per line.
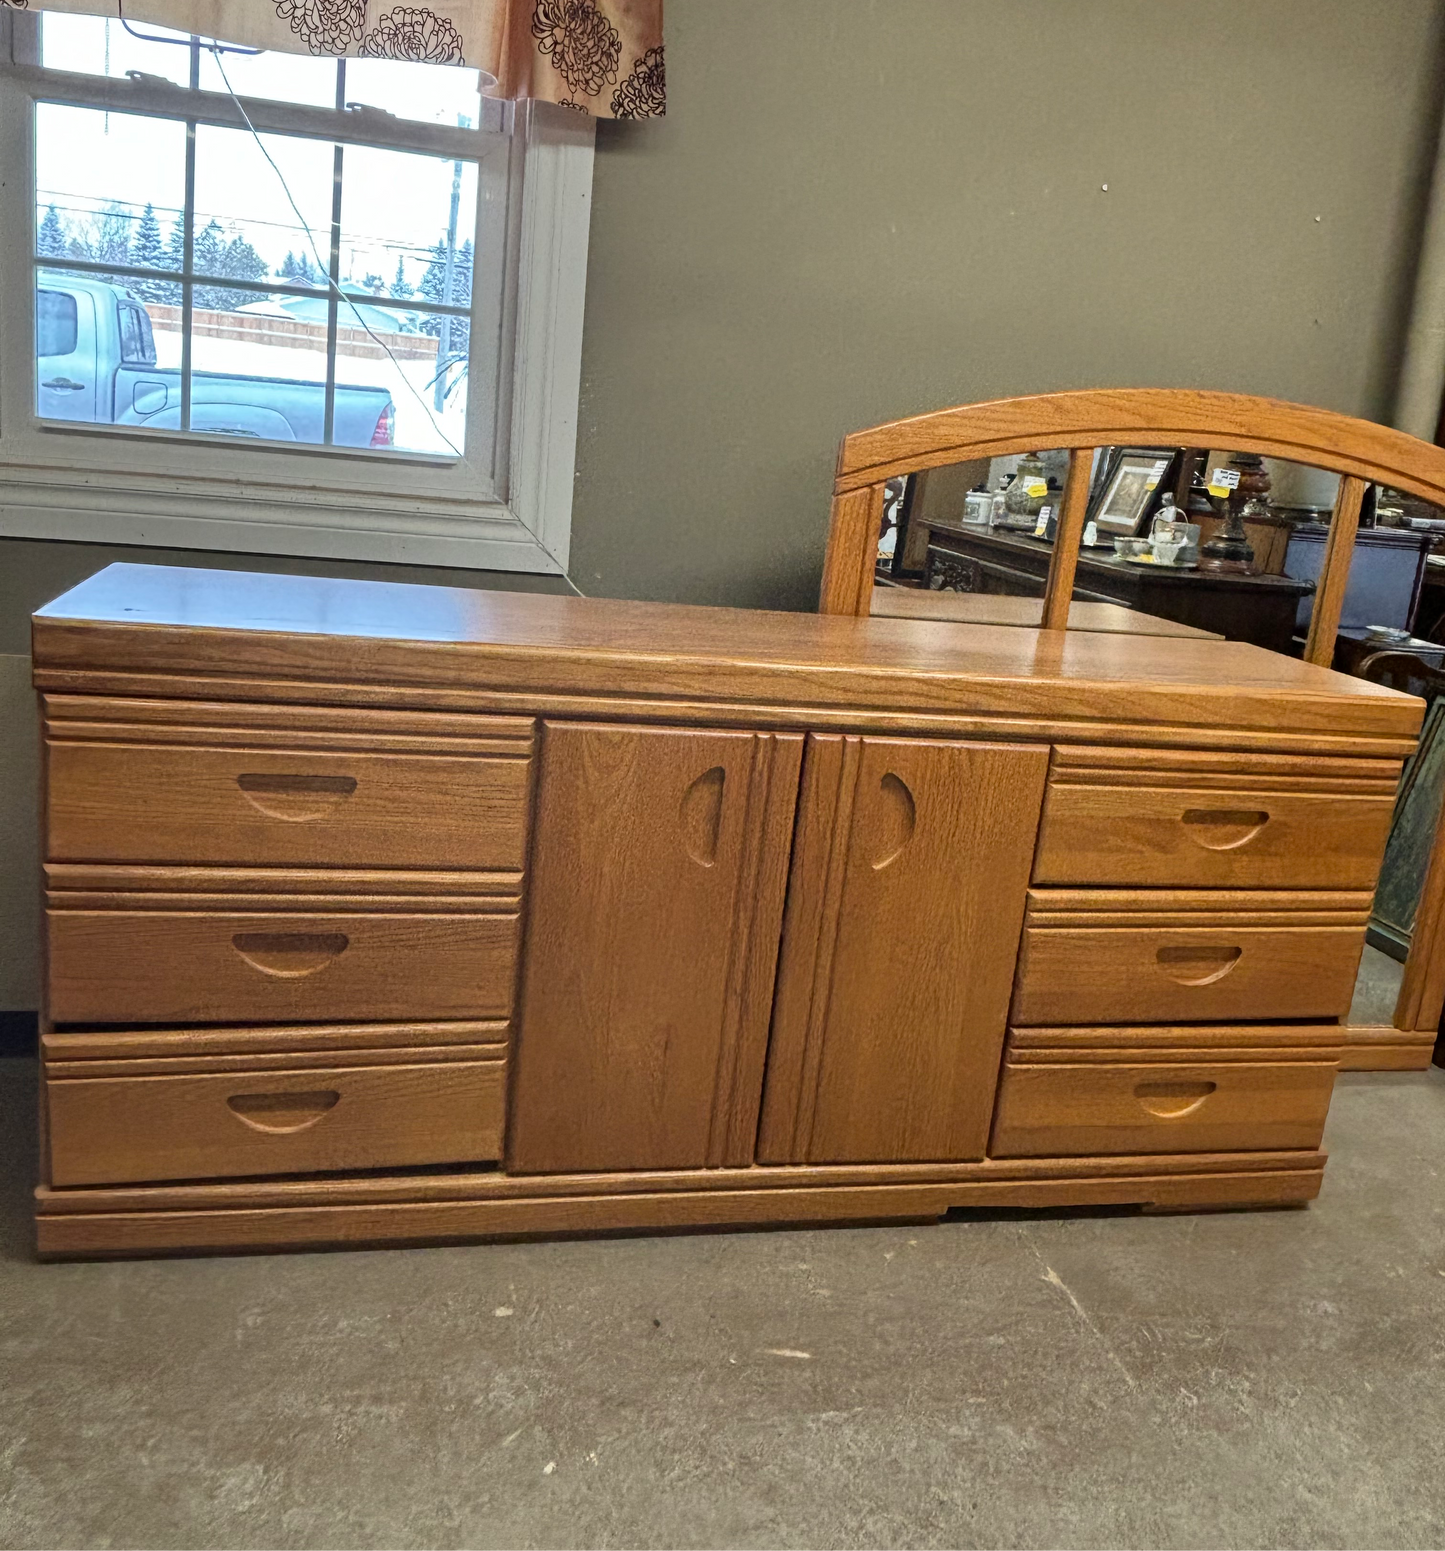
1244,1379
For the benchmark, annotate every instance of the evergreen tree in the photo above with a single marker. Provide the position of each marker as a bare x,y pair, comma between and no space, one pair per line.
112,241
401,287
209,259
299,270
149,252
50,239
242,262
433,288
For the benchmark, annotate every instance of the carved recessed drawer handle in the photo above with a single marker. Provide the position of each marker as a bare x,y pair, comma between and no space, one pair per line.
701,815
898,817
289,954
295,797
1197,966
1222,829
1173,1100
282,1112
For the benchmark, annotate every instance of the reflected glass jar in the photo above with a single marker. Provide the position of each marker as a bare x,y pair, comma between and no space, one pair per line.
1025,497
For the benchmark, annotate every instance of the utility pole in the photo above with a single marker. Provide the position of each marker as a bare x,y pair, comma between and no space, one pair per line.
444,341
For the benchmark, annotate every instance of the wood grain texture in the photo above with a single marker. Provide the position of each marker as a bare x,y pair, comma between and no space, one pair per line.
976,608
81,1234
1164,417
1045,726
1059,588
212,1124
1329,598
1382,1048
1210,837
1185,974
1230,1041
907,892
229,724
203,966
472,1184
134,802
531,645
1096,765
327,1039
656,896
1050,1111
849,562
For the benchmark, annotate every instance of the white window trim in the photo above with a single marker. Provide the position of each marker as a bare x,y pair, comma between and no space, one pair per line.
529,530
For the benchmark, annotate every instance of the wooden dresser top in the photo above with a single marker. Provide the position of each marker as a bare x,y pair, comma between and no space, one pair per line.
207,627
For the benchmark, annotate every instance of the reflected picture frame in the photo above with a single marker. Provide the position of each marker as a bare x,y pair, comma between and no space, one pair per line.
1130,490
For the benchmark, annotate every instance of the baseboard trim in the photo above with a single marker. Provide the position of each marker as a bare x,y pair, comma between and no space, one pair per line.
1382,1048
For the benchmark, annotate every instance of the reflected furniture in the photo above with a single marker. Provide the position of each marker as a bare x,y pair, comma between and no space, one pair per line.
1261,609
389,914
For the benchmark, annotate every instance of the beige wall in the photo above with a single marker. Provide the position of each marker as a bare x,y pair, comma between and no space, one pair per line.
858,210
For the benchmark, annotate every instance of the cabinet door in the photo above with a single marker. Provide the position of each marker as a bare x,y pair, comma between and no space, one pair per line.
906,900
656,890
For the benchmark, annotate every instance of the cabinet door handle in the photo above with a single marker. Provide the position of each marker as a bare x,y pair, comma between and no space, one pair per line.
1173,1100
1222,829
289,955
295,797
282,1113
1200,966
700,815
897,819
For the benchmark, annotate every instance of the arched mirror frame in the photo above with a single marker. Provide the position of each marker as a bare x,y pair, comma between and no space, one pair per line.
1361,452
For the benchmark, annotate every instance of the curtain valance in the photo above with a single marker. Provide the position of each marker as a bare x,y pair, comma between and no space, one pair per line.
602,56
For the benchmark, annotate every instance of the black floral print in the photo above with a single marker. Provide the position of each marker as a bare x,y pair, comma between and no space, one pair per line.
644,93
409,32
581,43
325,26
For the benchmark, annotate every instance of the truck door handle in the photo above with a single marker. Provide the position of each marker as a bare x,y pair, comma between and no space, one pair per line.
63,385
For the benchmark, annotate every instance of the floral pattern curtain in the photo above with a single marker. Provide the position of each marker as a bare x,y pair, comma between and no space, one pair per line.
602,56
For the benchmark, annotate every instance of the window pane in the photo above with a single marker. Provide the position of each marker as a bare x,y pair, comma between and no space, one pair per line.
56,323
279,77
396,351
401,215
258,369
97,45
246,228
110,187
434,94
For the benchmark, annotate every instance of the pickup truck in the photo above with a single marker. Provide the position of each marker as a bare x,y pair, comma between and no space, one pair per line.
95,360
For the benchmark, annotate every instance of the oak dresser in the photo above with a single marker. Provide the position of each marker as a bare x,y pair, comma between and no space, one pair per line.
397,914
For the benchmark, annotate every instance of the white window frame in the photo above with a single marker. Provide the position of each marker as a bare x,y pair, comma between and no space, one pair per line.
114,486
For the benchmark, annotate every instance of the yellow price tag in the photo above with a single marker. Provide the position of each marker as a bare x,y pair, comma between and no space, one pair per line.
1219,492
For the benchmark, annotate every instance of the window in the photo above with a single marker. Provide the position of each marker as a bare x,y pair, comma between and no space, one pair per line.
285,303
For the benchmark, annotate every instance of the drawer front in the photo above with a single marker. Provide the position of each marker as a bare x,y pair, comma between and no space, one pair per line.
125,1130
1210,839
1088,1110
1150,974
150,803
152,966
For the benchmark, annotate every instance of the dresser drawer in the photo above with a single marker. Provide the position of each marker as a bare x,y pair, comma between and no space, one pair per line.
1208,838
1106,956
279,807
220,966
1073,1110
211,1125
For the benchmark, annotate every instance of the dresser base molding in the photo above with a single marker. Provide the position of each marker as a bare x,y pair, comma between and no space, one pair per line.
347,1214
1382,1048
